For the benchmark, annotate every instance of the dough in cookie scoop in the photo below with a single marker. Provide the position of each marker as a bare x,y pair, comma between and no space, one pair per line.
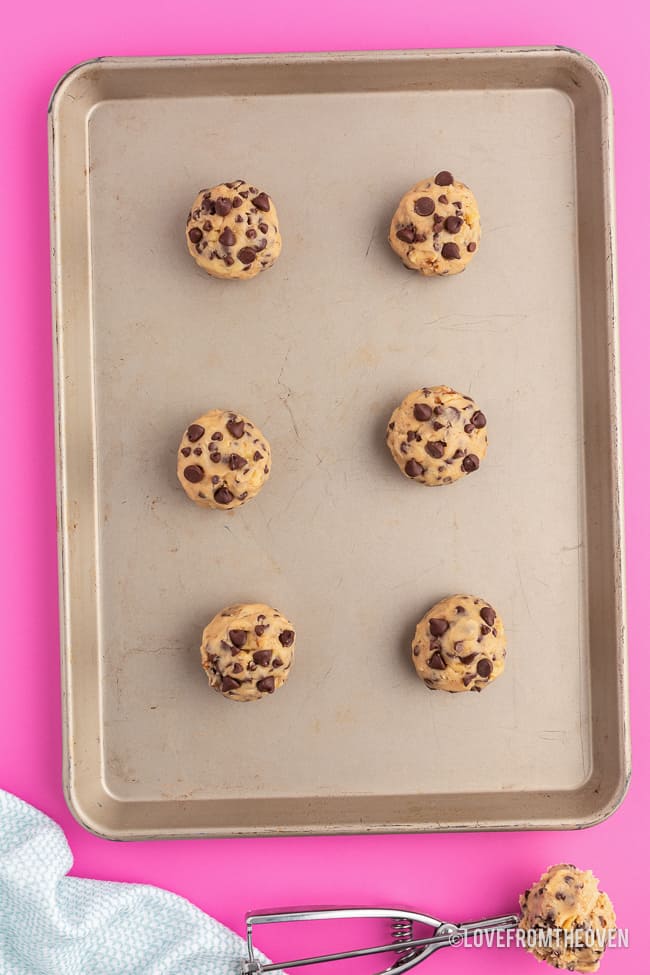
567,905
223,460
437,435
232,231
247,651
436,228
459,645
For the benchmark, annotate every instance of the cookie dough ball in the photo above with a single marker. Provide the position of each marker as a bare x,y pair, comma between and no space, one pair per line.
436,227
437,435
459,645
223,460
247,651
232,230
567,904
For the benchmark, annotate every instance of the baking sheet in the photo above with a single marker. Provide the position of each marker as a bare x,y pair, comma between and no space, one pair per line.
318,351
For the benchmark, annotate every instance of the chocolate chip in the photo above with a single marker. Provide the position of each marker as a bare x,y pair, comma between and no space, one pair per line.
193,473
259,629
468,678
277,662
251,233
438,626
484,667
444,178
262,202
471,247
470,463
424,206
238,637
436,661
478,419
236,462
468,428
227,237
406,234
207,226
195,235
266,685
223,496
222,206
468,658
252,666
435,448
262,657
559,896
237,201
194,432
422,411
443,199
450,251
216,457
214,478
413,468
485,630
186,451
235,428
411,435
246,255
458,454
453,224
264,227
286,638
197,451
488,614
257,455
229,684
459,647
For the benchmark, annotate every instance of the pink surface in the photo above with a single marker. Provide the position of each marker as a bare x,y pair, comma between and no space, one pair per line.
460,876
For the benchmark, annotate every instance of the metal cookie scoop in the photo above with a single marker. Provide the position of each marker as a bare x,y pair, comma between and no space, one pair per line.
410,951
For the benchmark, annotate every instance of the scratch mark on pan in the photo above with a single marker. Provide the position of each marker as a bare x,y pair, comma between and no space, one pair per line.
284,399
287,406
372,237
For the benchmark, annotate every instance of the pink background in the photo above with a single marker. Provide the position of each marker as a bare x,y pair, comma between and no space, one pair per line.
458,876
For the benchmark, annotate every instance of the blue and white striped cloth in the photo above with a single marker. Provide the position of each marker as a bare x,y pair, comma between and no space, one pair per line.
52,924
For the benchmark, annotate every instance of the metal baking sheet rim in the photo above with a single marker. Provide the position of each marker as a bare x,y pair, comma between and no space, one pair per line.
80,807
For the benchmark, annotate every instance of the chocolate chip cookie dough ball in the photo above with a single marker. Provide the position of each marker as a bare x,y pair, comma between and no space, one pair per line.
436,227
223,460
247,651
459,645
437,435
232,230
567,904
